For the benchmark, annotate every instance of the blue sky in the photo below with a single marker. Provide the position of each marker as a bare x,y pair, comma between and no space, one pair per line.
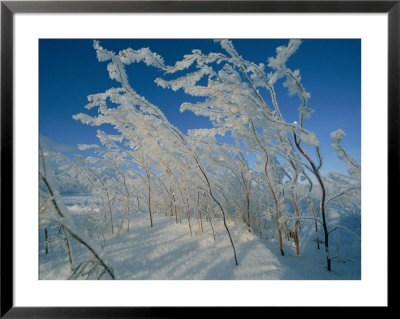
330,71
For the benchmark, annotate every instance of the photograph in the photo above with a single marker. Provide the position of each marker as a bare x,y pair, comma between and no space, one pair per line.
199,159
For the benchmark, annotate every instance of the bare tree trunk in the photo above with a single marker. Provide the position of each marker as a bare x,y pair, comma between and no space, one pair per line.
322,205
315,222
188,215
312,209
176,213
149,198
248,208
220,207
275,202
188,212
68,246
126,189
46,243
173,197
111,213
210,221
198,205
296,207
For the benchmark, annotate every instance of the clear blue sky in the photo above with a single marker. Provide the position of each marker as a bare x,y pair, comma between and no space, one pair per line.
330,71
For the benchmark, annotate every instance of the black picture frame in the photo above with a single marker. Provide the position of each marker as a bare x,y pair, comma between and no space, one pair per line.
9,8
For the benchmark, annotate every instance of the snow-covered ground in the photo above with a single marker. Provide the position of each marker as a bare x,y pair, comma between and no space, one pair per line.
168,251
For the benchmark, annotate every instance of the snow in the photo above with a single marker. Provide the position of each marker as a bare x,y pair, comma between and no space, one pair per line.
126,179
168,252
